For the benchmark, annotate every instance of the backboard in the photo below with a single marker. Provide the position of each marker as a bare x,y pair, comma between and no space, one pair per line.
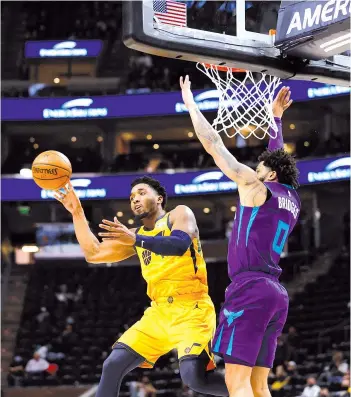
236,34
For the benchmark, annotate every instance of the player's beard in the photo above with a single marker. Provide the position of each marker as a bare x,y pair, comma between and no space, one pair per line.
144,215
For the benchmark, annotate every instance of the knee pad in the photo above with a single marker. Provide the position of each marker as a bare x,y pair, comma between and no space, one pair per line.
192,372
194,375
121,361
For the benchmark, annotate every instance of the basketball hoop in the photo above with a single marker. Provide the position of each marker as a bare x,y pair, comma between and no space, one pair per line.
244,105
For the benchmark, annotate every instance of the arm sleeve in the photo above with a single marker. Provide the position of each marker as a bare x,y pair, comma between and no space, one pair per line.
174,245
278,142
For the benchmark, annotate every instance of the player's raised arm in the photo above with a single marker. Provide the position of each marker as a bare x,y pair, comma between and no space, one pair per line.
184,229
212,142
281,102
94,251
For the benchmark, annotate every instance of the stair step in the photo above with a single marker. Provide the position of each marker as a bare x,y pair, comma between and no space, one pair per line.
8,339
18,298
12,307
8,327
10,318
6,345
9,334
6,354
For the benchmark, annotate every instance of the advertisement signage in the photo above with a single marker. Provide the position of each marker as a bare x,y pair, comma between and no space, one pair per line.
63,49
142,105
103,187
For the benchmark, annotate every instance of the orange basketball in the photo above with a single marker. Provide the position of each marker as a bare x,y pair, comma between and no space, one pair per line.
51,170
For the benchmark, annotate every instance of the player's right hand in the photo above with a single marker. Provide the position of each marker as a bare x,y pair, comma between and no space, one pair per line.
281,102
188,98
69,199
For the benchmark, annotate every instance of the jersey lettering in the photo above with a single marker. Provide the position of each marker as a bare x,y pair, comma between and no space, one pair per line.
259,233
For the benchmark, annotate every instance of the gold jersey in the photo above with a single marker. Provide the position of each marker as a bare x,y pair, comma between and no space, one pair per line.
172,275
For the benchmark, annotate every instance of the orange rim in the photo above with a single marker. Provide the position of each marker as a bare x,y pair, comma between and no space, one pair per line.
223,68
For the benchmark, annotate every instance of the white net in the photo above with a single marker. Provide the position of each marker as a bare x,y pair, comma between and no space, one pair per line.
245,106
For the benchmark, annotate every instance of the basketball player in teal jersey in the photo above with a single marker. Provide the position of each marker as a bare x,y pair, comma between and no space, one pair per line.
256,304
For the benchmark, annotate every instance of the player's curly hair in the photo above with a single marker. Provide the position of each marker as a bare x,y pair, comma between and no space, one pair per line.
155,184
283,164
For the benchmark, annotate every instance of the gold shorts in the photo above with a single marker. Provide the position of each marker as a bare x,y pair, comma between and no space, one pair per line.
183,322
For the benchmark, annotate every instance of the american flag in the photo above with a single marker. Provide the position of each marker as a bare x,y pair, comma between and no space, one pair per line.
170,12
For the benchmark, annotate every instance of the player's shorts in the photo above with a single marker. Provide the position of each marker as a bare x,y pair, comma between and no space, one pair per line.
183,322
251,319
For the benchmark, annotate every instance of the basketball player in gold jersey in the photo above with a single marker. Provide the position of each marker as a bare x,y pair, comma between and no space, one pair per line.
181,314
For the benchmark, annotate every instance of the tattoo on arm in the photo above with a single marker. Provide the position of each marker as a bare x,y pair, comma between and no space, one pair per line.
203,129
213,144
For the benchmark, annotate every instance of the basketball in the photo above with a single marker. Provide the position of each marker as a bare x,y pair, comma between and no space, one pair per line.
51,170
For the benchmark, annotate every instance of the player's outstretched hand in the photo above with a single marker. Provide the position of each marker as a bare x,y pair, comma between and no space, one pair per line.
281,102
69,199
117,231
188,98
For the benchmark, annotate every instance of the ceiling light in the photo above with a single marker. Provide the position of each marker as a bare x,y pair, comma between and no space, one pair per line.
292,126
156,146
56,80
338,45
26,173
36,146
306,144
31,140
233,208
99,138
128,136
335,43
119,213
190,134
149,137
30,248
206,210
130,222
74,139
289,147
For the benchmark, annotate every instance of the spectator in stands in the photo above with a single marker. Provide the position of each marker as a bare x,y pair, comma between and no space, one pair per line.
334,372
311,389
281,380
338,363
324,392
143,388
346,380
292,341
63,295
79,294
16,370
185,392
293,338
293,375
282,352
67,340
36,364
43,351
147,387
64,301
43,315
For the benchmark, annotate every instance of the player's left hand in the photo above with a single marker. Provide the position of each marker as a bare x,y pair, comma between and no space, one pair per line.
281,102
188,98
117,231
